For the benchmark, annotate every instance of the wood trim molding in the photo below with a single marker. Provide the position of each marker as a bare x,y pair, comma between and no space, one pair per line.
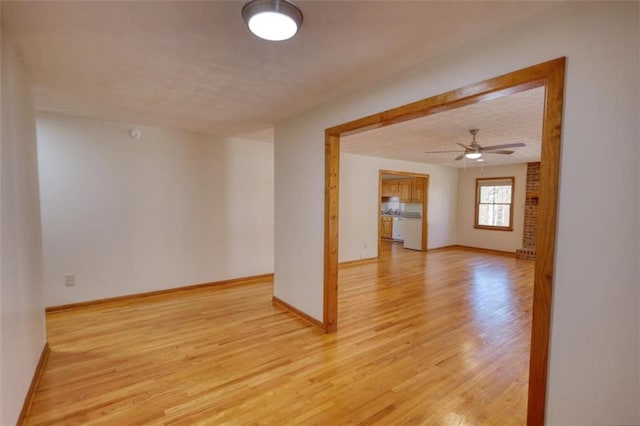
358,261
331,200
33,387
379,210
483,250
473,249
399,173
545,242
298,312
239,281
425,215
549,75
443,248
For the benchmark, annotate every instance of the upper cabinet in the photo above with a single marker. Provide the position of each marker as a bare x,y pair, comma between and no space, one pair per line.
417,195
409,190
405,190
390,188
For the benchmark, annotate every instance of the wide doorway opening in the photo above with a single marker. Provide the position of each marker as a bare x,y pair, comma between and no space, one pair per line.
550,76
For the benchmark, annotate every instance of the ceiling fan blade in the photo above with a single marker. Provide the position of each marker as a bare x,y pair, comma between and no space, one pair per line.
440,152
505,152
459,157
508,145
462,145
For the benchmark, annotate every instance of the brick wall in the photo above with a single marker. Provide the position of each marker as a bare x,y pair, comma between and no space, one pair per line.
528,250
531,205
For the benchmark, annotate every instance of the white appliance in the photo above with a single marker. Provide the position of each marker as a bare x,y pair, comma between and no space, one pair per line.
397,232
412,234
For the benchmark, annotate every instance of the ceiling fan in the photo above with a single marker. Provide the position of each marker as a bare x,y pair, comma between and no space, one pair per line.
474,150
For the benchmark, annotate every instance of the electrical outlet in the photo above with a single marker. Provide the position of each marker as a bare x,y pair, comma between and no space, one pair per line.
69,280
366,244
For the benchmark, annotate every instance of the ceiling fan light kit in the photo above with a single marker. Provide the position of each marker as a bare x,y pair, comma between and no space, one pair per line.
474,151
273,20
473,155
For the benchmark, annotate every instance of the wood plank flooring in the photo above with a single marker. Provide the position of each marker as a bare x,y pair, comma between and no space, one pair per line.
439,338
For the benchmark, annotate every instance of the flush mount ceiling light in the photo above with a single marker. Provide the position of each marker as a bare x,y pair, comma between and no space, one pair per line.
273,20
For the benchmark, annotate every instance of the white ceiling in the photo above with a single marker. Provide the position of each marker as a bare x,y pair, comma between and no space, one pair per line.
194,65
511,119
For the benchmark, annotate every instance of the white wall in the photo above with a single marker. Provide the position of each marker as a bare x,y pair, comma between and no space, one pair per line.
359,208
22,321
484,238
167,210
593,370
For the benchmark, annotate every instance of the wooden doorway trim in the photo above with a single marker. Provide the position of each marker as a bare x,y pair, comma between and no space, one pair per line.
551,76
425,218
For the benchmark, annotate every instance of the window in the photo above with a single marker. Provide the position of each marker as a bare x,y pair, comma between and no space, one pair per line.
494,201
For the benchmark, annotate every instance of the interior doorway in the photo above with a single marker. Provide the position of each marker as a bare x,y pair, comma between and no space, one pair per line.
549,75
403,199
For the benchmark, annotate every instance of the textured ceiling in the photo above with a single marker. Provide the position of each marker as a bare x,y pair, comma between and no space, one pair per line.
195,66
511,119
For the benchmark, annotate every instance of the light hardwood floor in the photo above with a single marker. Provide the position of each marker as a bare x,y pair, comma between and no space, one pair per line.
439,338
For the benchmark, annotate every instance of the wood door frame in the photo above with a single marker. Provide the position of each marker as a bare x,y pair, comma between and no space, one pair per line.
549,75
425,221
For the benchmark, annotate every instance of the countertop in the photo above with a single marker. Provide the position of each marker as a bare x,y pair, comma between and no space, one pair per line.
404,215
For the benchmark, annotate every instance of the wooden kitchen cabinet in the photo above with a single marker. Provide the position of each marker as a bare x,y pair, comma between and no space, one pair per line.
405,189
417,193
386,227
409,190
390,188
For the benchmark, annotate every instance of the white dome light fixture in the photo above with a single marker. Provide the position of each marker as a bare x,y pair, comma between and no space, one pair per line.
473,155
273,20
